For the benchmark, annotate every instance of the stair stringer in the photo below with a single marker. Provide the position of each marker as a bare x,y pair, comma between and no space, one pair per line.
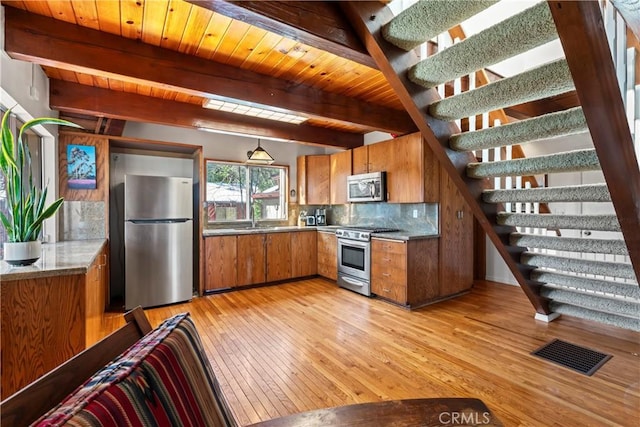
582,34
368,19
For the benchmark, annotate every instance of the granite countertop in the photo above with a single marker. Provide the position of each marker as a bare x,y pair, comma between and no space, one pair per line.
398,235
256,230
405,236
58,259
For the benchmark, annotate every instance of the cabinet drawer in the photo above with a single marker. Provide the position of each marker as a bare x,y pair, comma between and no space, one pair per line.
386,261
387,289
387,273
379,247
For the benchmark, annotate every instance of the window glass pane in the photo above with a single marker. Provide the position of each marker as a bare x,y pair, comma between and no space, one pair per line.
226,192
234,190
267,192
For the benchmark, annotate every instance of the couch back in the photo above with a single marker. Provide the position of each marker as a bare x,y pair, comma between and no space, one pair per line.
163,379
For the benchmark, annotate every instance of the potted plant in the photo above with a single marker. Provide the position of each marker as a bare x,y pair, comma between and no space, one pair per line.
25,201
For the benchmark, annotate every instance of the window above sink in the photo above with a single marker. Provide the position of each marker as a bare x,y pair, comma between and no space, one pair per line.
241,192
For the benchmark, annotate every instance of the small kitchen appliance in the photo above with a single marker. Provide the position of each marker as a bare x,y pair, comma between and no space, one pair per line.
321,217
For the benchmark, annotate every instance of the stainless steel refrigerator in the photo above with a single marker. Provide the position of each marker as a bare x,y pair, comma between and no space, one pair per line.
158,240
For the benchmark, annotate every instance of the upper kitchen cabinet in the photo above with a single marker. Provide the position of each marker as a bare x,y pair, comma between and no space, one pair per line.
313,176
412,171
340,170
360,159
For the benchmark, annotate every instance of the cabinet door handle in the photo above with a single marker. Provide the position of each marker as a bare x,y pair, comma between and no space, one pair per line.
460,214
386,290
386,274
386,259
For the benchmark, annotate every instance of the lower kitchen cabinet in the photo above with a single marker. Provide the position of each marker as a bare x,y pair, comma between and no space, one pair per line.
304,259
251,259
278,256
45,321
405,272
220,262
327,255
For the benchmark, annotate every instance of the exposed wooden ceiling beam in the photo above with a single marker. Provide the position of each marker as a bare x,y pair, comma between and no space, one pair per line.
319,24
81,99
46,41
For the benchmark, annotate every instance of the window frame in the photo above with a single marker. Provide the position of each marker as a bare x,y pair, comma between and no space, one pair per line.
284,192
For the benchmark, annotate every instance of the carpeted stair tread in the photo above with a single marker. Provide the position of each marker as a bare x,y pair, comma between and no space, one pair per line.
541,82
570,161
555,221
426,19
592,301
570,193
519,33
629,290
570,244
552,125
596,316
576,265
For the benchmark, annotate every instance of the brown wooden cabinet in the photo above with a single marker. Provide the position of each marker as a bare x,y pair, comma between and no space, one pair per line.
304,253
412,170
360,159
405,272
47,320
278,255
456,239
340,170
221,261
313,175
327,255
251,261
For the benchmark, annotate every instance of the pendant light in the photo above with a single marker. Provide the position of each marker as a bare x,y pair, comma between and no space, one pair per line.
259,156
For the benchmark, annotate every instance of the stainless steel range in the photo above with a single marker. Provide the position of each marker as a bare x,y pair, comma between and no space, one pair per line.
354,257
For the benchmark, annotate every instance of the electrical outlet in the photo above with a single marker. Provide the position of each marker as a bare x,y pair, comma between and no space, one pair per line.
415,213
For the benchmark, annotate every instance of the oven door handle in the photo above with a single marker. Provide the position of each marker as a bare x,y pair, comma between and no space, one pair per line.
352,281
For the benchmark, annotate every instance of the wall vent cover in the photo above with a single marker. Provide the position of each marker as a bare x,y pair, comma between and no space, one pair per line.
581,359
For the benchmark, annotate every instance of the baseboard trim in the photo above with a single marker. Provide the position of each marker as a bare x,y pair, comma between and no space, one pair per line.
547,317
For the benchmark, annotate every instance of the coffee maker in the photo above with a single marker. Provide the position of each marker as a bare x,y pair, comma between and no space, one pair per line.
321,217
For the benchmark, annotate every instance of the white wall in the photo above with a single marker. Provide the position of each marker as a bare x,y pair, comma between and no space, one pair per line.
225,147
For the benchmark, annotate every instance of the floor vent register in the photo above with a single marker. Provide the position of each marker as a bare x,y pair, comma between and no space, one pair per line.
580,359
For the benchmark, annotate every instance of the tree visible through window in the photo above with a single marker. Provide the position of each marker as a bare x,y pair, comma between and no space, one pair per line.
235,191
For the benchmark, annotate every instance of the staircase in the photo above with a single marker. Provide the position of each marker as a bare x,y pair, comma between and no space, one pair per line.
585,264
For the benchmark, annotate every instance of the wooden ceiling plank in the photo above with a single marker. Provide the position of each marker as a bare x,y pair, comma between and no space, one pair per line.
131,15
317,24
232,38
175,24
196,26
273,59
249,43
79,99
153,21
256,58
213,36
49,42
109,16
86,13
62,10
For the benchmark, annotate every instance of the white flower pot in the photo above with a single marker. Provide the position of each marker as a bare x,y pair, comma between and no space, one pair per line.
22,253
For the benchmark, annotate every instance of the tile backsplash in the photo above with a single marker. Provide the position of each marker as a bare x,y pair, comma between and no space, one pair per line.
413,217
83,220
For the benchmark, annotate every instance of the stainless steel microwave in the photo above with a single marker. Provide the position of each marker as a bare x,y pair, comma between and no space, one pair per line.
367,187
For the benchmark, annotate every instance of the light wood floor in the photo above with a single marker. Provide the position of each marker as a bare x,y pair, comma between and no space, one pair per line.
306,345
